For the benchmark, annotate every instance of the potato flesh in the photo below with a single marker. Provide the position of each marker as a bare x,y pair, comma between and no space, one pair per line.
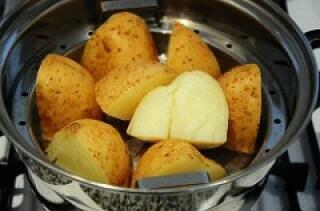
66,152
192,108
149,122
187,52
120,92
93,150
174,157
199,111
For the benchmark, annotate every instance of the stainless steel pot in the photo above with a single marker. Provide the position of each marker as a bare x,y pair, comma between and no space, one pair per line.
239,31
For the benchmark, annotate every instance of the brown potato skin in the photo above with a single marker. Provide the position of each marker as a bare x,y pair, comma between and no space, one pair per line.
187,51
104,144
64,93
123,39
242,87
168,151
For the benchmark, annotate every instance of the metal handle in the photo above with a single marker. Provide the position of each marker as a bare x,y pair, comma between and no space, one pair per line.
314,128
314,38
4,150
173,181
104,8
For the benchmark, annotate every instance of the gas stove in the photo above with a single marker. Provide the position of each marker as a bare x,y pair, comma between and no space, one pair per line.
293,183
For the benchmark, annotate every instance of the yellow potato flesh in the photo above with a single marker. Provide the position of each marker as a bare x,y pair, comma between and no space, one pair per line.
199,111
93,150
120,92
192,108
70,154
152,122
124,107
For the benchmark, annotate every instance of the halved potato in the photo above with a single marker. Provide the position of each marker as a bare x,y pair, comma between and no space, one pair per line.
93,150
64,93
242,87
187,51
192,108
123,39
121,90
175,157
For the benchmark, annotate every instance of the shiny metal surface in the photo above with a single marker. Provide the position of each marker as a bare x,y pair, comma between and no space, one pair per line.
238,31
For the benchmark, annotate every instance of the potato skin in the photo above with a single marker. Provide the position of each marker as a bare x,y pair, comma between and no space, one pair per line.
168,152
242,88
102,143
64,93
131,82
123,39
187,51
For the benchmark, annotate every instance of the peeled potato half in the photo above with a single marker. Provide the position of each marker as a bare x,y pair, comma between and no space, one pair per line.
242,88
64,93
121,90
175,157
187,51
123,39
192,108
93,150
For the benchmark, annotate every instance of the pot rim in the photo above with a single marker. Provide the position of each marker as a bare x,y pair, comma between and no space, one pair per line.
8,128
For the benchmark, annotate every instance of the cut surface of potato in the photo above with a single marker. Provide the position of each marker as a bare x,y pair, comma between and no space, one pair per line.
242,87
123,39
192,108
175,157
64,93
187,51
120,91
93,150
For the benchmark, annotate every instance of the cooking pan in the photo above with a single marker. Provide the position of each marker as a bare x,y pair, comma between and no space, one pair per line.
238,31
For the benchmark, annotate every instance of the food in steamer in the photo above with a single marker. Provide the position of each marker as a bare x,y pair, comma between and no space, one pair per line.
183,106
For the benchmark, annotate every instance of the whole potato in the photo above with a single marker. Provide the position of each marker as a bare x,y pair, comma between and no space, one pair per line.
172,157
93,150
123,39
64,93
242,88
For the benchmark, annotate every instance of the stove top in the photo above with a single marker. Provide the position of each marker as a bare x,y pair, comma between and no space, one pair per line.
293,184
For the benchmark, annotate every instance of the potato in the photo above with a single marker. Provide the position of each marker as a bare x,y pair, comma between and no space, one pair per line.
123,39
192,108
93,150
120,91
175,157
242,87
64,93
187,52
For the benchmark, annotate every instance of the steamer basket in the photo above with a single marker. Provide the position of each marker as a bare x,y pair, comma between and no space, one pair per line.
253,31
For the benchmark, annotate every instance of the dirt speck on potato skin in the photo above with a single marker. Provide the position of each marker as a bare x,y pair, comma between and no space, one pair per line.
105,146
64,93
165,152
124,38
242,88
187,51
74,127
